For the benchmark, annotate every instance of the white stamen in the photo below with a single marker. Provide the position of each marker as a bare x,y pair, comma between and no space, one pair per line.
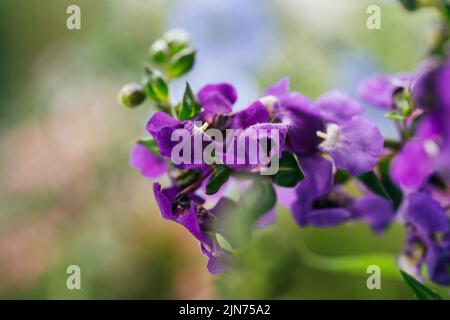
198,128
331,137
269,102
321,134
431,148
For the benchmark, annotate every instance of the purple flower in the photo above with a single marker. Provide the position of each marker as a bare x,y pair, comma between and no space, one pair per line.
354,143
380,90
429,150
297,113
161,126
187,210
428,236
149,164
254,114
430,90
355,146
217,98
314,204
425,214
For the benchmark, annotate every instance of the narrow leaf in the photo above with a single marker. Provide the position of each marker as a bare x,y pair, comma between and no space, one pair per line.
394,192
420,291
374,184
189,106
220,177
289,172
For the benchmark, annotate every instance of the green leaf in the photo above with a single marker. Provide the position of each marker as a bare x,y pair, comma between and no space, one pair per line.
189,106
371,181
259,199
155,86
392,144
420,291
341,176
289,172
150,144
239,219
181,63
221,175
395,115
394,192
351,264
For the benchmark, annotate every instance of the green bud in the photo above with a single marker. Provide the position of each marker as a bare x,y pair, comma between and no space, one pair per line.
181,63
155,86
177,39
159,51
131,95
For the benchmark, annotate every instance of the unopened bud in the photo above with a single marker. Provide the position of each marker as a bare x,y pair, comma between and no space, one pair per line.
131,95
159,51
177,39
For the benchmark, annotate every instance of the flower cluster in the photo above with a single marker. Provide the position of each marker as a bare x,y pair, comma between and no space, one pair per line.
420,103
326,149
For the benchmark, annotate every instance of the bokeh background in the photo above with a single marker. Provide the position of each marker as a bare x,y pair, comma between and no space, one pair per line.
68,196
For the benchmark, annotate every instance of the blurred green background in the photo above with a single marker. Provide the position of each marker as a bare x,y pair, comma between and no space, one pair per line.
68,196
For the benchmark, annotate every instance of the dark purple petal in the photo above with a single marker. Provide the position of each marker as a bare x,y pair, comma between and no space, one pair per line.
164,199
191,222
302,120
217,98
318,181
355,146
438,265
430,90
149,164
425,214
375,211
253,114
318,173
337,107
323,218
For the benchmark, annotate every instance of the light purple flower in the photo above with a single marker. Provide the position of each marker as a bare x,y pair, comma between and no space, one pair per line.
413,165
217,98
150,165
337,107
380,90
297,113
355,145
